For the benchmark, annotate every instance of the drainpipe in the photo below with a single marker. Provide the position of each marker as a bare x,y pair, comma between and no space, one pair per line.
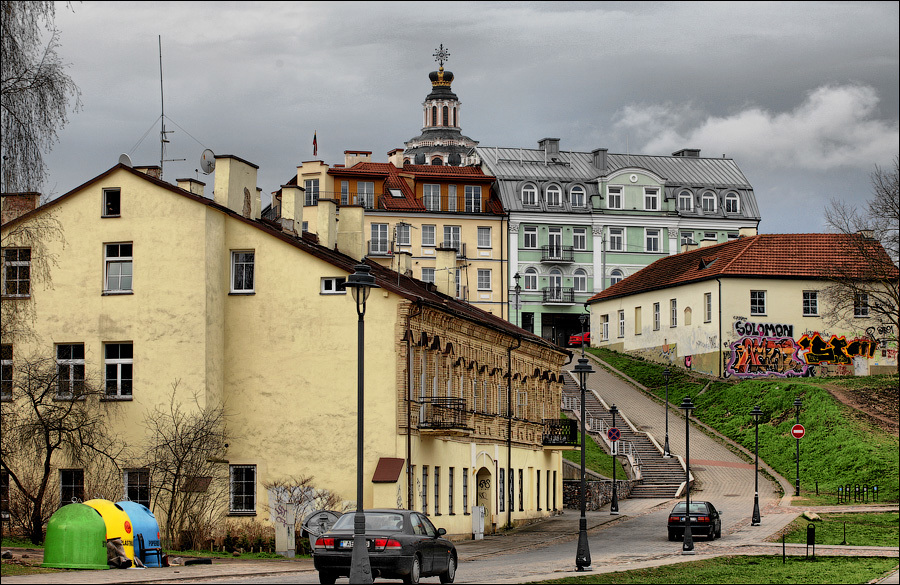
509,470
409,388
721,340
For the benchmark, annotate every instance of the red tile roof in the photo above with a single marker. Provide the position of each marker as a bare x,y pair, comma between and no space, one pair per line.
789,256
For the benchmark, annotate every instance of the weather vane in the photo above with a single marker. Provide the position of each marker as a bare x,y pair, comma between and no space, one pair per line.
441,55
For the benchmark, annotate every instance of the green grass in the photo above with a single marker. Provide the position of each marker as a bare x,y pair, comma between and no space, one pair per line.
18,542
838,449
595,458
862,529
751,570
14,570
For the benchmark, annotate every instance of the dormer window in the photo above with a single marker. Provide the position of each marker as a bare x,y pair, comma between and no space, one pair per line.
732,203
554,196
709,202
576,196
529,195
685,201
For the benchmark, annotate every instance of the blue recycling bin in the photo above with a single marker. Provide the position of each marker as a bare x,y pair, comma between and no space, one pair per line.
144,524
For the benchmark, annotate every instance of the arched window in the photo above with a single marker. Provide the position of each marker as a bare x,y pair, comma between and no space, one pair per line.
554,196
529,194
453,116
732,203
445,118
437,161
685,201
709,202
580,280
531,279
615,276
576,196
434,115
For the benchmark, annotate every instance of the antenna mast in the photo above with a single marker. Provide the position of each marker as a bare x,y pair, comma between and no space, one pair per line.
162,119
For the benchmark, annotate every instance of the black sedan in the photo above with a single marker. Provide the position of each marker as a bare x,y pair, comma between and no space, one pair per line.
705,521
402,544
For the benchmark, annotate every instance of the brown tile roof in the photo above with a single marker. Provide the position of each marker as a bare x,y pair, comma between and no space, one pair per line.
789,256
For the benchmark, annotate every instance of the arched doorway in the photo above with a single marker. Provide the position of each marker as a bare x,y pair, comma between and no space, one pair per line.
484,495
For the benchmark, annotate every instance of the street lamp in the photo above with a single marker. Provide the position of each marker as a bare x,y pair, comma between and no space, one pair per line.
361,283
614,504
583,553
517,290
755,519
687,548
798,403
666,452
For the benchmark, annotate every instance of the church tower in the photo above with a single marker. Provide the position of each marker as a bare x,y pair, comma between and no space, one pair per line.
441,141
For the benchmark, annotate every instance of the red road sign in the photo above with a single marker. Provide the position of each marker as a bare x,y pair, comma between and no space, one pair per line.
798,431
613,434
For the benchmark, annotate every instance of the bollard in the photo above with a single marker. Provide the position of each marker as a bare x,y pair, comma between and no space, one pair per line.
817,487
865,494
782,549
840,494
874,493
811,538
845,534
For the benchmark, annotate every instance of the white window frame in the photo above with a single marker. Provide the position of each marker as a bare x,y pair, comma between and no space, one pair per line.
810,303
115,386
686,238
379,242
707,307
554,196
403,234
70,371
758,302
243,508
427,274
332,285
345,192
530,240
685,200
529,195
484,236
473,198
652,236
431,197
579,238
17,272
240,262
656,317
579,280
365,194
577,196
615,198
451,198
604,327
117,257
452,237
673,313
732,203
531,279
112,203
621,323
484,279
651,198
311,192
616,239
616,276
428,231
708,202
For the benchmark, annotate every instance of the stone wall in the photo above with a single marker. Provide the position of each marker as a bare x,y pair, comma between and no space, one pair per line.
599,493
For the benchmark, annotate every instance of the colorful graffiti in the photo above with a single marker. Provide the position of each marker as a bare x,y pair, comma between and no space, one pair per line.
746,328
836,350
688,360
765,356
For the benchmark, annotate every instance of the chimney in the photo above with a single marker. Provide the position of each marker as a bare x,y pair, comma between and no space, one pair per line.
550,146
350,235
687,153
327,223
17,204
445,271
191,185
351,157
395,157
257,203
150,170
600,160
235,185
292,209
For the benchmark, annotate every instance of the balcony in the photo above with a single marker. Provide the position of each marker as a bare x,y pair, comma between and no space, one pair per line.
444,416
559,296
558,254
560,432
380,248
460,247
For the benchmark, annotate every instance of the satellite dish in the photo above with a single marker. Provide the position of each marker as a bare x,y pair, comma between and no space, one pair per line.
124,159
208,161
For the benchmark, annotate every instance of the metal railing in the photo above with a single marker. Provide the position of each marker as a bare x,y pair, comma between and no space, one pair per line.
443,413
552,253
559,295
460,247
560,432
379,248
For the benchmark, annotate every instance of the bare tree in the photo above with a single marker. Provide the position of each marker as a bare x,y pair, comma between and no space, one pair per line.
186,446
866,280
36,92
52,418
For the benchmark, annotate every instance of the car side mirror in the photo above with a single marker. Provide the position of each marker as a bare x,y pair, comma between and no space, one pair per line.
441,532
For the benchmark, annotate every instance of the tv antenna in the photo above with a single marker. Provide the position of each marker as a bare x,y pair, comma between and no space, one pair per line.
162,119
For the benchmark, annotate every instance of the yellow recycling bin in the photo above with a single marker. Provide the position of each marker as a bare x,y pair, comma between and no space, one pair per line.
118,523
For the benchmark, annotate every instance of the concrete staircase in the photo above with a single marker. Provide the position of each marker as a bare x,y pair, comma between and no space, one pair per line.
660,477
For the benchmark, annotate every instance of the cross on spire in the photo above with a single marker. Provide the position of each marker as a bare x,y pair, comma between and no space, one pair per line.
441,55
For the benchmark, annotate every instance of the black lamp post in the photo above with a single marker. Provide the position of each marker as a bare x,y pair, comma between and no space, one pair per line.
687,548
517,289
614,504
583,553
755,519
666,452
798,403
361,283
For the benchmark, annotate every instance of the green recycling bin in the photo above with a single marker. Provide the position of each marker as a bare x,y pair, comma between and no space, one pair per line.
76,539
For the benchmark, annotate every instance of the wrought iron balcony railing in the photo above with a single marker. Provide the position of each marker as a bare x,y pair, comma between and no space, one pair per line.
553,253
559,295
560,432
443,413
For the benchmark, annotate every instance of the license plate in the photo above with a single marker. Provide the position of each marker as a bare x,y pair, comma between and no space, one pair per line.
346,544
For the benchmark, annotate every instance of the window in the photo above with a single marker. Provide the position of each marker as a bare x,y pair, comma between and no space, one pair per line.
709,202
732,203
616,239
685,201
638,322
460,292
537,495
450,490
579,280
604,327
311,187
861,305
70,370
243,489
345,192
531,279
651,239
365,194
451,236
242,263
484,237
529,195
432,197
137,486
710,236
548,489
810,303
615,276
656,318
71,486
707,307
621,323
733,235
119,369
687,238
554,196
17,272
530,237
451,197
484,279
112,203
614,198
512,491
521,492
4,496
651,199
673,315
465,490
501,489
428,235
425,489
576,196
333,285
757,302
473,199
579,238
379,244
118,268
403,234
6,371
437,490
428,275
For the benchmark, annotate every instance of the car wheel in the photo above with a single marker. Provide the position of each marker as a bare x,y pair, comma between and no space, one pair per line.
415,572
450,574
719,532
712,533
327,578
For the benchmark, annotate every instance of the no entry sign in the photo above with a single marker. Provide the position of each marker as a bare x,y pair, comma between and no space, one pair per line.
798,431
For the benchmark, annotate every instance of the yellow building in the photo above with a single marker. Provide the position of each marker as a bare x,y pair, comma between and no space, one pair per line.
156,284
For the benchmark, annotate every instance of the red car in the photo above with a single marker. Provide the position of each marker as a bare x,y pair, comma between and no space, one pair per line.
575,340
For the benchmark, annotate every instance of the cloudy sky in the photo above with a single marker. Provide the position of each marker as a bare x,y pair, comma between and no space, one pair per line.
804,96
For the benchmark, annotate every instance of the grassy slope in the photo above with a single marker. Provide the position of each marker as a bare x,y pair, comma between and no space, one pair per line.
838,448
595,459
